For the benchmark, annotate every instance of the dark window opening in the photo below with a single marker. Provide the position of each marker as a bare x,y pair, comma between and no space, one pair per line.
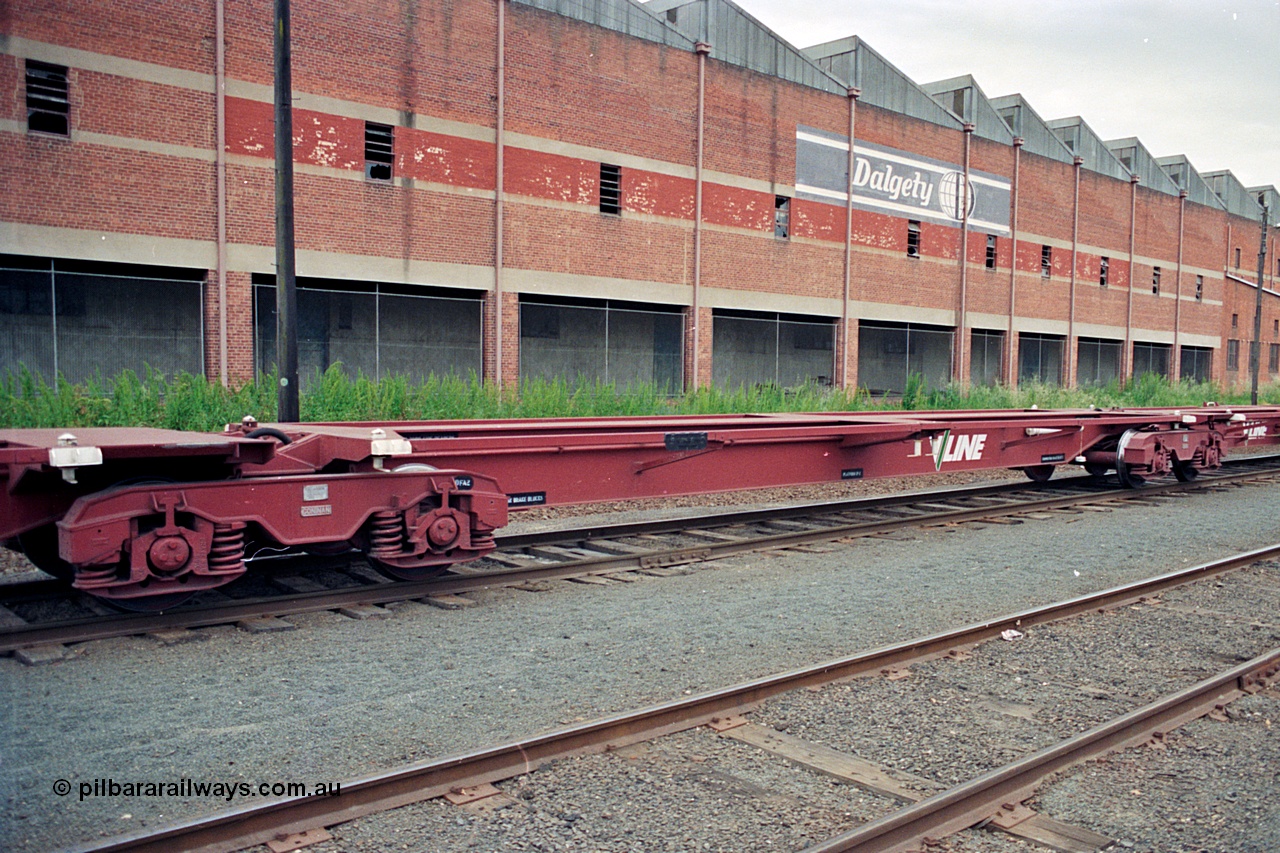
48,106
1275,328
1155,280
1103,268
1199,288
782,217
1046,261
991,251
913,238
1197,364
1237,257
610,189
379,151
1235,321
1233,355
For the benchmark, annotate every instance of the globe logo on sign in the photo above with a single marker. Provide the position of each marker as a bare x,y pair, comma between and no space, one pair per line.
950,187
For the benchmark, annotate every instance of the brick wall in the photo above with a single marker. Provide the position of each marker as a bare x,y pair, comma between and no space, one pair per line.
140,164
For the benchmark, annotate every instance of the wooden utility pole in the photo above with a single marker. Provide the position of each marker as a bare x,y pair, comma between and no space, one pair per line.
286,273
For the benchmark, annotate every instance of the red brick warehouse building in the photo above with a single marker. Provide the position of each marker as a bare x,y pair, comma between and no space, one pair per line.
604,189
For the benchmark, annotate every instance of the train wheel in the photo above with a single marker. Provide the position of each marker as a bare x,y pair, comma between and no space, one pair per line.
401,573
148,603
1038,473
1130,478
41,547
1185,471
1096,471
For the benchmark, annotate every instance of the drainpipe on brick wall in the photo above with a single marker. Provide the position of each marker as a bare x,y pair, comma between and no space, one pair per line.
1176,367
500,148
853,93
220,169
1011,375
962,375
1255,355
692,382
1071,310
1126,357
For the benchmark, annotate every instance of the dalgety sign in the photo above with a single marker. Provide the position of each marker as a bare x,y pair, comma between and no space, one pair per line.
886,180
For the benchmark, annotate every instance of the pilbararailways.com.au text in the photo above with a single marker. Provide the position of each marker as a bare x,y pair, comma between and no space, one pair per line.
190,788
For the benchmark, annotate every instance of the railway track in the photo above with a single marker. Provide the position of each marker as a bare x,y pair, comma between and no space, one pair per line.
594,553
993,798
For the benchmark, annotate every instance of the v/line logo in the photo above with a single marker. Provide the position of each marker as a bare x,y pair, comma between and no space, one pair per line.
952,448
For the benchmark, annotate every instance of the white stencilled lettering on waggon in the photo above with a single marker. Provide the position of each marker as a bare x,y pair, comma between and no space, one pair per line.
953,448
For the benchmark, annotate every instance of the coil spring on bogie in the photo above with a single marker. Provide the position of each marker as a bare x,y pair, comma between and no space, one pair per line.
386,533
226,553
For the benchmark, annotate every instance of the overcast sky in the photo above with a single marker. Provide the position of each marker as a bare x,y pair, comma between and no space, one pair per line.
1193,77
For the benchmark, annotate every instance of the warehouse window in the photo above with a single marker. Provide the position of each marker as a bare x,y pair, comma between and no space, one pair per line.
1196,364
1151,358
1155,280
1046,261
986,351
751,349
1273,358
588,341
1237,257
782,217
1235,321
913,238
1103,268
1275,328
991,251
1199,288
77,319
889,354
1098,360
48,106
1040,358
379,151
1233,355
375,329
610,189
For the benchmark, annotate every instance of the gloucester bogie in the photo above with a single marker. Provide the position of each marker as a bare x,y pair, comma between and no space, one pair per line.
146,517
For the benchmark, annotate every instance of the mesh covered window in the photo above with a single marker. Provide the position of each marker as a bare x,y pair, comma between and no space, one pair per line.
618,342
1196,364
985,354
1040,358
1151,358
78,318
372,328
889,353
786,351
1097,361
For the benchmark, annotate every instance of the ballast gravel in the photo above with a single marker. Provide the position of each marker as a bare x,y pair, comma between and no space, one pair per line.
339,698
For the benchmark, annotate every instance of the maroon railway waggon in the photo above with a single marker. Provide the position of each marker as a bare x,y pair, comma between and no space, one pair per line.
146,517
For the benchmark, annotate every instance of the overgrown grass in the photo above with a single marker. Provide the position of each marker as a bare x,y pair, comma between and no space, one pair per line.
192,402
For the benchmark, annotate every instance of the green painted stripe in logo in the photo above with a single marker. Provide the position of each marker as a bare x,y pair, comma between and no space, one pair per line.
940,450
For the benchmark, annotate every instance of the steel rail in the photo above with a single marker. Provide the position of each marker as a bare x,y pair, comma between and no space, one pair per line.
98,628
236,829
972,802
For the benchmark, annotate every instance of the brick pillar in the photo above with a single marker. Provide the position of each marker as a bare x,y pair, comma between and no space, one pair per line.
240,355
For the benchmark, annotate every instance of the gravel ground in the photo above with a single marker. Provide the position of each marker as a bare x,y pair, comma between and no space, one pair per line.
339,698
949,721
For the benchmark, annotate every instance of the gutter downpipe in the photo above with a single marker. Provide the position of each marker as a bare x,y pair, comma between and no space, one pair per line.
853,94
498,190
220,171
1075,242
962,375
1175,369
701,48
1011,375
1126,357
